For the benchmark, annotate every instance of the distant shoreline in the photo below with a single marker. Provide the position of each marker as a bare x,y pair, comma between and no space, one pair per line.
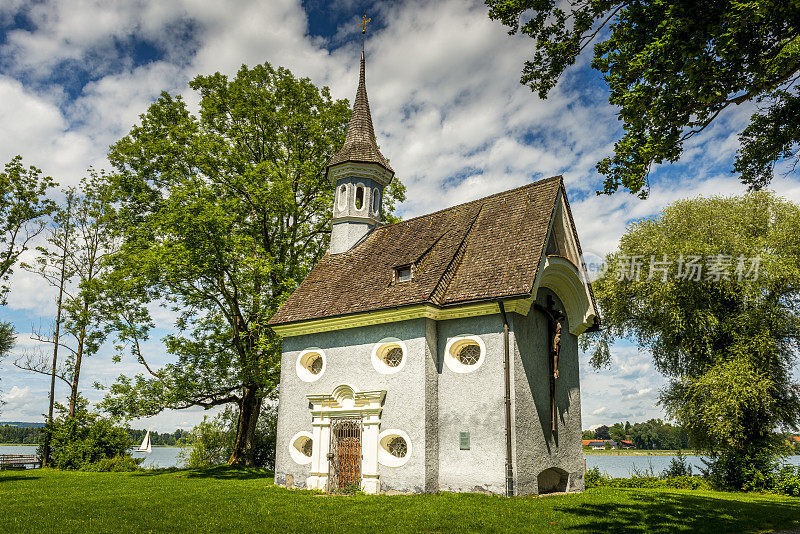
638,452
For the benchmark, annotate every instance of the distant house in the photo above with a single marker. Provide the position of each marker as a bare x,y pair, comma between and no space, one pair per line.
596,444
599,444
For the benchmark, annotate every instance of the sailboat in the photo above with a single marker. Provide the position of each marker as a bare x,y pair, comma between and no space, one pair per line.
145,446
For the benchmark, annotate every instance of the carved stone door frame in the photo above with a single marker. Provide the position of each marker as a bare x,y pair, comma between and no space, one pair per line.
346,401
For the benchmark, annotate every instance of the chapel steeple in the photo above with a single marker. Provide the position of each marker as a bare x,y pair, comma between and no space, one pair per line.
361,173
359,143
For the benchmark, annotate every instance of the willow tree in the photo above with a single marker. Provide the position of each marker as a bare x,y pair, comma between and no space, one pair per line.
711,287
221,215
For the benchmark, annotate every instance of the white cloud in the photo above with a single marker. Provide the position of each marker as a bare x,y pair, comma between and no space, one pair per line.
35,128
17,394
637,394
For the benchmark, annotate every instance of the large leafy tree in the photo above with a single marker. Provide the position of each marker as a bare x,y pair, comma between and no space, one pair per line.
221,215
24,206
672,67
711,286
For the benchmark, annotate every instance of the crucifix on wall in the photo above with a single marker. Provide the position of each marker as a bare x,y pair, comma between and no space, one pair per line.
554,320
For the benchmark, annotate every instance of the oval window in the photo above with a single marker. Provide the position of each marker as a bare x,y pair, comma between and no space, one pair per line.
469,354
342,197
389,355
359,197
394,448
310,365
301,447
465,353
397,447
376,200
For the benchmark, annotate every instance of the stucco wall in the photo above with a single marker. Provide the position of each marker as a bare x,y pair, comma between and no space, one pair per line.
536,447
433,404
348,353
472,402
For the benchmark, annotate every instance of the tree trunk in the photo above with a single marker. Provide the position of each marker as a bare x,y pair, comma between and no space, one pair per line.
73,398
249,410
57,335
46,447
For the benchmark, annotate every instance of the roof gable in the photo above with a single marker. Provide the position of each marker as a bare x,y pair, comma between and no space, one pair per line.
486,249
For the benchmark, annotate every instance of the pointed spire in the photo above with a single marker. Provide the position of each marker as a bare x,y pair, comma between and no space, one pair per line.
359,143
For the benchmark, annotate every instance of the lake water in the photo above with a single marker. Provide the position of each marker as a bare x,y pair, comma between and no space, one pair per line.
160,457
613,465
619,466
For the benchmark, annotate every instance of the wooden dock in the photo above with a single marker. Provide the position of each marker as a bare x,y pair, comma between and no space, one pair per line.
19,461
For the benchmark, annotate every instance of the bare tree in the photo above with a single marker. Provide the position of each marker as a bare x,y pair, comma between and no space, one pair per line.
73,262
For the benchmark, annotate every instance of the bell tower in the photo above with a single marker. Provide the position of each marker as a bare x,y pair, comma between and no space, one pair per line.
360,173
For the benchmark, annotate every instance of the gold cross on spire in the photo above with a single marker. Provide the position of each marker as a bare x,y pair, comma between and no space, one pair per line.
363,25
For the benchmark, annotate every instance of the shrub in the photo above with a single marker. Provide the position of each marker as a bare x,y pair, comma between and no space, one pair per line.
787,481
266,436
681,482
749,470
678,467
87,438
119,463
211,442
594,478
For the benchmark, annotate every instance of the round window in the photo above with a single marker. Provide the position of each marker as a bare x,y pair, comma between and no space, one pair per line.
342,197
301,447
393,357
389,356
464,353
308,447
394,448
469,354
310,365
397,447
316,364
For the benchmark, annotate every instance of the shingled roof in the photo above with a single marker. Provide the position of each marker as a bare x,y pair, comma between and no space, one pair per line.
487,249
359,143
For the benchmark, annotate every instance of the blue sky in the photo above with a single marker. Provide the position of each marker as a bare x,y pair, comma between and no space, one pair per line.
448,110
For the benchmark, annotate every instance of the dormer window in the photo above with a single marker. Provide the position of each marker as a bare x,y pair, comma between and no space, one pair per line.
403,273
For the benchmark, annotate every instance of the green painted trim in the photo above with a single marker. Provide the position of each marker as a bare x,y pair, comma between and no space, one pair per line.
521,306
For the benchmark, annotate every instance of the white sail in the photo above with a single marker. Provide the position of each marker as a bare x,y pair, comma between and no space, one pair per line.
146,446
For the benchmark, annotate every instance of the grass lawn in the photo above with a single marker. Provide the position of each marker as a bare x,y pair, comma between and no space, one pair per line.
241,500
